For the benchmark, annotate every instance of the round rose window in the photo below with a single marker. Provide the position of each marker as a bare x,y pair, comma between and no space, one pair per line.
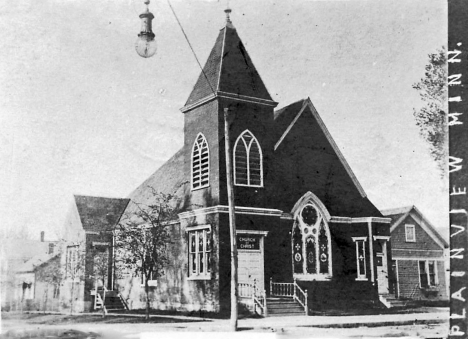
309,215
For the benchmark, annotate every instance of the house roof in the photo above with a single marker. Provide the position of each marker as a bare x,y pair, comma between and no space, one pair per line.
286,117
169,179
98,213
35,262
228,70
398,215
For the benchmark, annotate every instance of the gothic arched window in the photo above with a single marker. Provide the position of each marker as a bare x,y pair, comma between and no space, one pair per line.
248,161
311,244
200,163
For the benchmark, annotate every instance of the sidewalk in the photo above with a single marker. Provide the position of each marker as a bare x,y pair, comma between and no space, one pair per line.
441,316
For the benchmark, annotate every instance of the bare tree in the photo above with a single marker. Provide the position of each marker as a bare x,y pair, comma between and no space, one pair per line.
74,268
50,273
100,273
142,236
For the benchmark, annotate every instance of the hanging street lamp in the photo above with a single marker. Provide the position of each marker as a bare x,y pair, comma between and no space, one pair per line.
145,44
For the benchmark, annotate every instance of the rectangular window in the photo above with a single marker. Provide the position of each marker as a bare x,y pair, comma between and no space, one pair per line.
72,262
410,233
200,253
427,273
360,257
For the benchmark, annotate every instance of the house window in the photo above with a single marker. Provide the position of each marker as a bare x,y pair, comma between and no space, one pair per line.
200,253
248,161
360,257
311,244
72,262
427,273
200,163
410,233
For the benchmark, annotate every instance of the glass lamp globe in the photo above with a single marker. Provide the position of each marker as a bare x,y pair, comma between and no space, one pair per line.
145,44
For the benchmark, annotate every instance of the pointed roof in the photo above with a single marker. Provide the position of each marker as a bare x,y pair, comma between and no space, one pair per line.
398,215
98,213
229,71
286,118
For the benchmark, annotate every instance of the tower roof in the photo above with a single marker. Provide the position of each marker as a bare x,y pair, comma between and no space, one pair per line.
229,71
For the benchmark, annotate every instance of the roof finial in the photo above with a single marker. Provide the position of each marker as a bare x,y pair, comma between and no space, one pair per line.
228,12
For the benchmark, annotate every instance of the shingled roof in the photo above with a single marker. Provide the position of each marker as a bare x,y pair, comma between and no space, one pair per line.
229,69
169,179
99,214
398,215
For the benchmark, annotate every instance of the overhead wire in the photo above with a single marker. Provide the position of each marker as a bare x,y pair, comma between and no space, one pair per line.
190,45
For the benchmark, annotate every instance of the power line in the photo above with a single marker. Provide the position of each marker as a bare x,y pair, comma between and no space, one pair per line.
190,45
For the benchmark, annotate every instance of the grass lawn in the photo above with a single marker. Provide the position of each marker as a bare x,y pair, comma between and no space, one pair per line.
62,319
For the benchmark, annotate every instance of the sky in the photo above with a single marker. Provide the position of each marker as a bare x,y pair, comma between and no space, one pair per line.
82,113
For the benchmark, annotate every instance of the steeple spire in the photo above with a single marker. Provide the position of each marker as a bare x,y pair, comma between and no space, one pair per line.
229,71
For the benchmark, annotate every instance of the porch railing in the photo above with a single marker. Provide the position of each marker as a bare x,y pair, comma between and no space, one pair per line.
258,296
290,290
98,300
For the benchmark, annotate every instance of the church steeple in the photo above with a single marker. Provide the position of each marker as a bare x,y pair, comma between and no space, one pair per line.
229,71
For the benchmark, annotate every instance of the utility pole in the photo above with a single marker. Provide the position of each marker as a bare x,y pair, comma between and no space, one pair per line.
232,222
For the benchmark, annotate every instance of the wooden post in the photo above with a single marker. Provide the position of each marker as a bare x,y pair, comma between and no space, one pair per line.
271,286
306,303
232,223
294,287
265,307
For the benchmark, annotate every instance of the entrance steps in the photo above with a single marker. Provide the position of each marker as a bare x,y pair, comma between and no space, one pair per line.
282,306
112,302
390,301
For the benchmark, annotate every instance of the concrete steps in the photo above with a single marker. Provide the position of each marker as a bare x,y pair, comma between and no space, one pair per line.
279,307
390,301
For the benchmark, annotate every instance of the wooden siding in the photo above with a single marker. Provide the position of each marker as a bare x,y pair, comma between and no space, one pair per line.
423,240
408,281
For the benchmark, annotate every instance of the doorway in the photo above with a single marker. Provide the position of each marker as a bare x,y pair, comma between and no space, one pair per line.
250,252
382,267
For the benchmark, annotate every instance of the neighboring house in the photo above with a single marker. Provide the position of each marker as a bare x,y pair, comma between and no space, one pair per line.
38,283
301,214
89,239
418,256
15,252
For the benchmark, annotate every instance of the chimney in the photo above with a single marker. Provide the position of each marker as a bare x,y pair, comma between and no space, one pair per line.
42,236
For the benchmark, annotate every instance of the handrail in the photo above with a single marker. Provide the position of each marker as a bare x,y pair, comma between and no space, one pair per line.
247,290
290,290
123,302
303,294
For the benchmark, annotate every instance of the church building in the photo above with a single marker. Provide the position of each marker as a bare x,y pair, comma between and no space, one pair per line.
305,227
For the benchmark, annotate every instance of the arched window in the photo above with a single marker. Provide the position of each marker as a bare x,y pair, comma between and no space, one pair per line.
200,163
248,161
311,245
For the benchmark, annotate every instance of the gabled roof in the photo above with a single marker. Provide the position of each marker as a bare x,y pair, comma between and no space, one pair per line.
169,179
286,117
35,262
229,70
398,215
98,213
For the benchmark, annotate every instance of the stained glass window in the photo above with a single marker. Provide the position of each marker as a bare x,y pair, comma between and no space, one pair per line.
311,244
200,252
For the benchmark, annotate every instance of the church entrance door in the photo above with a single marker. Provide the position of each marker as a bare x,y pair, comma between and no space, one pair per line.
250,258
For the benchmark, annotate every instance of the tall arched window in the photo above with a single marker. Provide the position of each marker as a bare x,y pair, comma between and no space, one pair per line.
248,161
200,163
311,245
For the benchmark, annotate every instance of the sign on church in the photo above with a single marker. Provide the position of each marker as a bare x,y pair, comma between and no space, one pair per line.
248,242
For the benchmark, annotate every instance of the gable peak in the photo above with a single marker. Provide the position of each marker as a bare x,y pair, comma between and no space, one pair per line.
228,72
